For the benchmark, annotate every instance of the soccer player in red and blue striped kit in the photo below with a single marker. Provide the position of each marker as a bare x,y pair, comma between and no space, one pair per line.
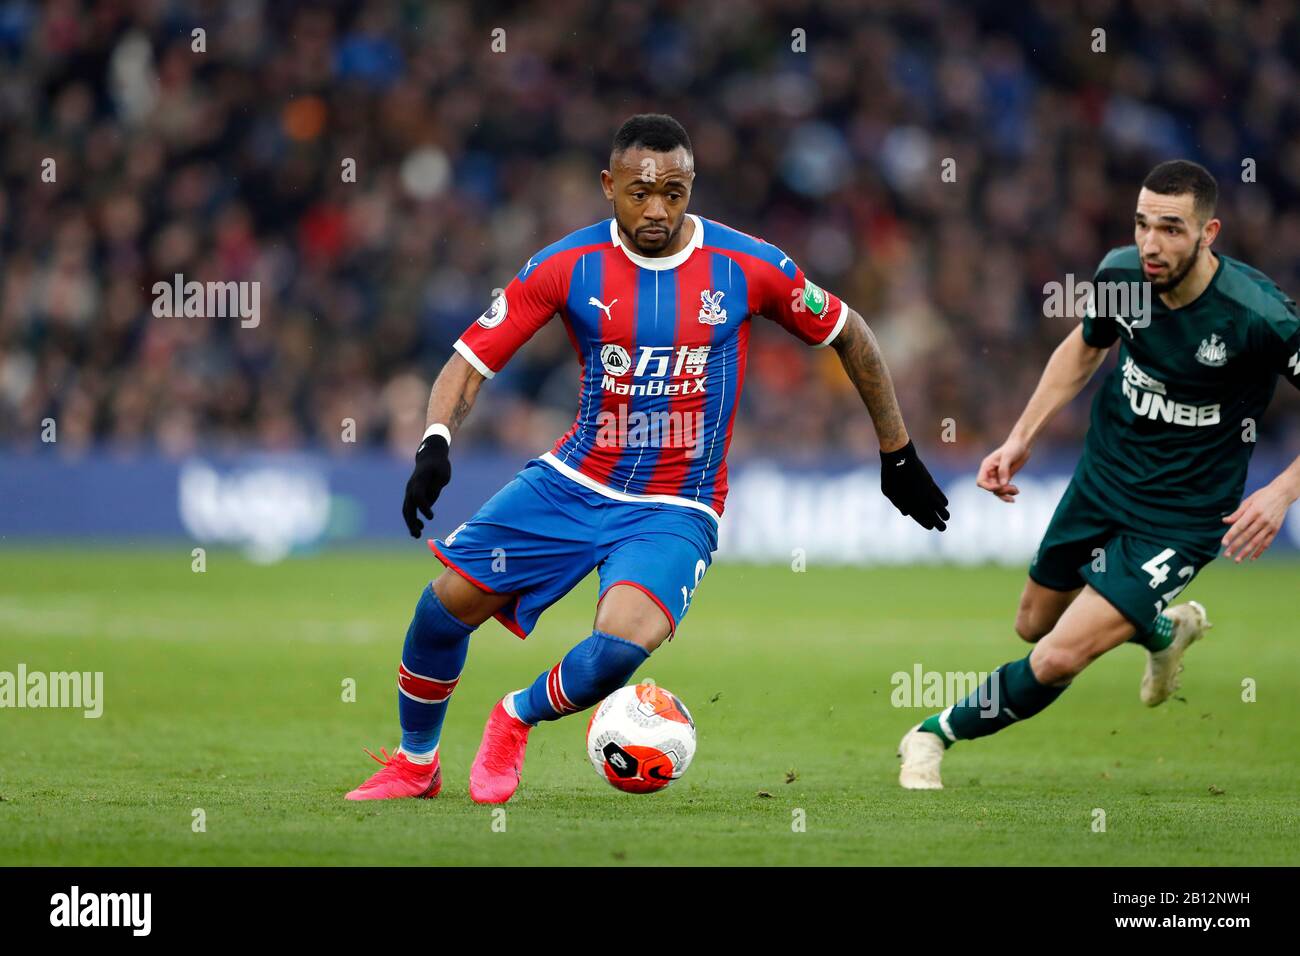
657,304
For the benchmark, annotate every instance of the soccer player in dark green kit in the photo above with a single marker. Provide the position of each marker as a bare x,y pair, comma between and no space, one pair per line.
1158,489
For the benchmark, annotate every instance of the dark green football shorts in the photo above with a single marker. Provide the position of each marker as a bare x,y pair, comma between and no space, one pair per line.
1139,571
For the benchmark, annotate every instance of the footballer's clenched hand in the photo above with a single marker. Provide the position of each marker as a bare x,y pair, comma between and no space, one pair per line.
906,482
997,470
431,474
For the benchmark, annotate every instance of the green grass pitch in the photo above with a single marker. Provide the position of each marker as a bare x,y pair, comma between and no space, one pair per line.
223,692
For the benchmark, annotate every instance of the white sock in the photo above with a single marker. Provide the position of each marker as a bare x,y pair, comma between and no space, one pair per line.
508,702
424,759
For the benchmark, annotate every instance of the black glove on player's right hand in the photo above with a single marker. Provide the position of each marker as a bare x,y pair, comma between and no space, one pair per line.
431,474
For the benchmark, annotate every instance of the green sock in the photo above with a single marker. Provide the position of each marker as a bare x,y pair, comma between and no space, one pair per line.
931,725
1010,694
1159,637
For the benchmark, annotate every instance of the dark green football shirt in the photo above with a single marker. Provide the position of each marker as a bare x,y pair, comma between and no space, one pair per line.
1173,423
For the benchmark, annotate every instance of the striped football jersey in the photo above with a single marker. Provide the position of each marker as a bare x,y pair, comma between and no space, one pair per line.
661,343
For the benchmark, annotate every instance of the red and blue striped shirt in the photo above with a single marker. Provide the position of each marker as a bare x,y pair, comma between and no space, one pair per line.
662,345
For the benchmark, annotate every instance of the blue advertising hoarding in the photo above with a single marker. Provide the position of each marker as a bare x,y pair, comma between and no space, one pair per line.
272,506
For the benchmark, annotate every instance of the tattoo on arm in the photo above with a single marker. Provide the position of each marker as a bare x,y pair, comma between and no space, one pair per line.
860,355
453,394
458,414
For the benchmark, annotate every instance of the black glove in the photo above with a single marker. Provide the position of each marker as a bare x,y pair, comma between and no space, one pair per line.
905,482
432,472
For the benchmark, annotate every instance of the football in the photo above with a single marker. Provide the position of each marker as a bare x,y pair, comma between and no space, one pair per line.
641,738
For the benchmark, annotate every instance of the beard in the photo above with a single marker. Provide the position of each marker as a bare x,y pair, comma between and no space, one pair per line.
1179,272
656,245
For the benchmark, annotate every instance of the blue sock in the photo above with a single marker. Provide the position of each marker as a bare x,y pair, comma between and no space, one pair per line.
590,672
432,659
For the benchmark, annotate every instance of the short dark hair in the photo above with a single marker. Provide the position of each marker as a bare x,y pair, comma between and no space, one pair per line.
654,131
1180,176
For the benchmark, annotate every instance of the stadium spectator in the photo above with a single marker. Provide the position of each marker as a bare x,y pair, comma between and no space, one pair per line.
229,164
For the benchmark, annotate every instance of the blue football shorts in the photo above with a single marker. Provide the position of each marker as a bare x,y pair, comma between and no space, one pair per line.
543,532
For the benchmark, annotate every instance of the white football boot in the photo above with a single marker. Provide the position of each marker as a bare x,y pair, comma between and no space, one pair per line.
922,752
1163,667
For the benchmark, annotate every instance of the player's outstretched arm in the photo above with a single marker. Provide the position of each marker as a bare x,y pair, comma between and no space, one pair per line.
450,400
1258,519
1071,366
903,478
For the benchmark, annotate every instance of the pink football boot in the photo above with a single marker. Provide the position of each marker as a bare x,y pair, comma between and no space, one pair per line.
495,774
400,778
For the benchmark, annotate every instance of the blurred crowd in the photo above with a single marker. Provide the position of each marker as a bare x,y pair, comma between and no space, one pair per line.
478,132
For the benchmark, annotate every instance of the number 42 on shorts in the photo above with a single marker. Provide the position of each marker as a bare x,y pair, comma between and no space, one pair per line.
1159,569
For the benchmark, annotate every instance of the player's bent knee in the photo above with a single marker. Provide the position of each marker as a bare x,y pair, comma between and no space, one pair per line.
469,604
1028,628
1053,665
1040,609
628,612
1033,620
